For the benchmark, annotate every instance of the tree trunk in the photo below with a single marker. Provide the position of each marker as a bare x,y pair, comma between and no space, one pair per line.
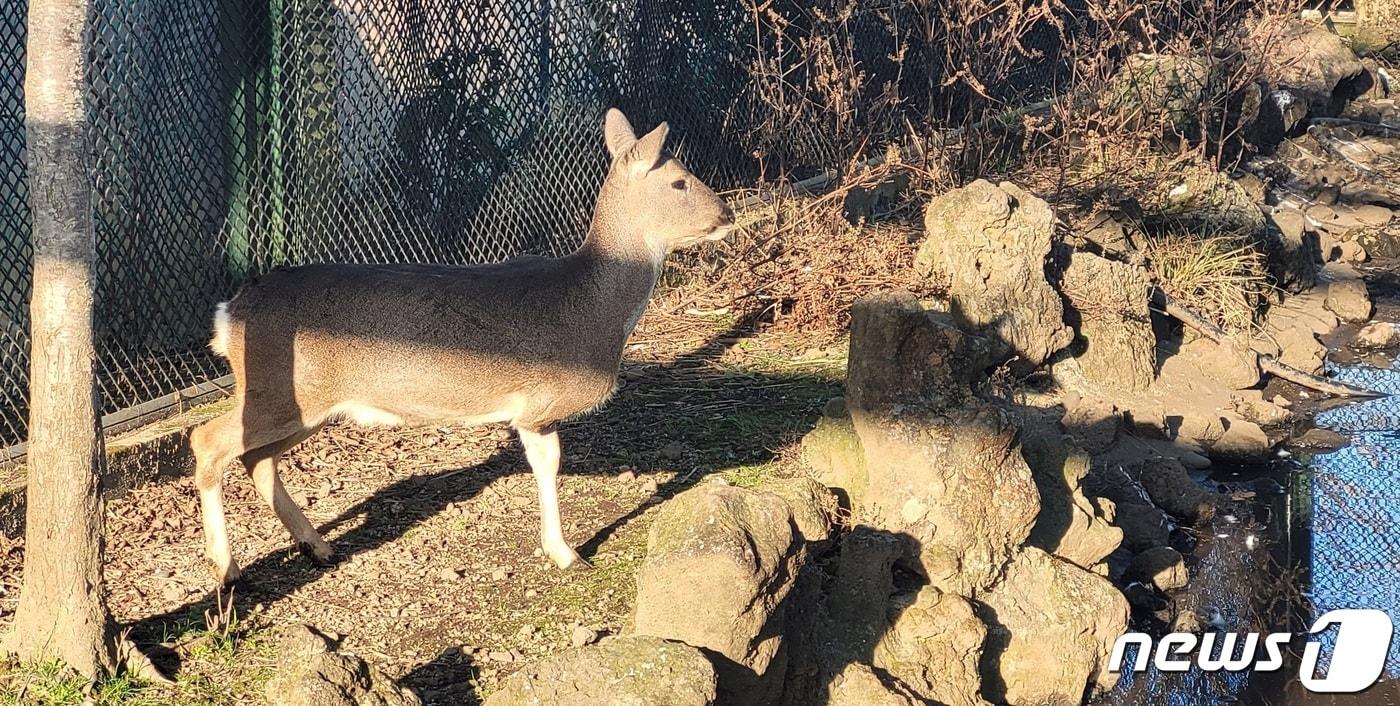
62,611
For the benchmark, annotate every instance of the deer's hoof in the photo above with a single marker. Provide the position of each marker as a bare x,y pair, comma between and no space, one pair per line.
320,554
574,563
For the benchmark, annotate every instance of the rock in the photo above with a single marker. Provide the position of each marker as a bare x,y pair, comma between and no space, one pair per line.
1263,412
1349,300
1108,308
1052,626
1373,215
1069,525
1380,243
1352,251
1231,363
903,354
858,685
310,673
1144,597
1322,439
834,452
955,483
859,599
1292,251
1307,58
1092,422
1302,350
1241,441
1159,90
1143,525
1172,489
933,647
740,550
992,242
581,636
629,671
1281,111
1162,566
1379,335
949,475
813,507
1212,201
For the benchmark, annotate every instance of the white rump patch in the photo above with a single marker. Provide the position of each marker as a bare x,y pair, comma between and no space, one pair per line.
365,415
219,344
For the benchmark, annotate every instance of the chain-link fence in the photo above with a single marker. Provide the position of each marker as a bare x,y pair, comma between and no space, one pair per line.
232,136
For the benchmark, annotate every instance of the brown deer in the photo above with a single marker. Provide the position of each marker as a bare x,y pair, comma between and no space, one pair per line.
530,342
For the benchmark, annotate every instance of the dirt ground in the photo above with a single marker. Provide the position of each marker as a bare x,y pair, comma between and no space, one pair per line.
439,581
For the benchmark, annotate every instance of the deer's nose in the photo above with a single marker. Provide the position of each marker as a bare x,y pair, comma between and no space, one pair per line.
726,217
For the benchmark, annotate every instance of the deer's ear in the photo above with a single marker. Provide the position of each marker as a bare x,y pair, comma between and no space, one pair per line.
617,133
646,154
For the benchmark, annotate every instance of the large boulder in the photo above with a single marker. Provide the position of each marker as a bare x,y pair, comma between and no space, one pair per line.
956,483
992,242
1306,58
310,673
634,670
740,550
1070,525
934,647
1052,626
858,685
902,353
1108,306
1162,90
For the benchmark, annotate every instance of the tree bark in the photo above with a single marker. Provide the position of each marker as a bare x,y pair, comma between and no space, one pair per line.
62,611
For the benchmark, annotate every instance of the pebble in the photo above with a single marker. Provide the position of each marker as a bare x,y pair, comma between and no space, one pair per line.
627,476
449,574
649,486
526,633
163,573
582,636
501,656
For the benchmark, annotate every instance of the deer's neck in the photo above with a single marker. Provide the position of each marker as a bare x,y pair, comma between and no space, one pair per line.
621,266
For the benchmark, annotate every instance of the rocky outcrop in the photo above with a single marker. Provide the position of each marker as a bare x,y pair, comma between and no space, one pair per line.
1108,308
627,671
311,673
943,469
942,489
992,242
740,549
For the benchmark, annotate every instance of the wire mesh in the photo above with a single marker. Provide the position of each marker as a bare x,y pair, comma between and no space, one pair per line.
234,136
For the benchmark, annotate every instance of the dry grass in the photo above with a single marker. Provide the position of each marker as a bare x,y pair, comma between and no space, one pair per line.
1220,276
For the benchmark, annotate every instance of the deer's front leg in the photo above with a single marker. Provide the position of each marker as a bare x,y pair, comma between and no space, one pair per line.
542,451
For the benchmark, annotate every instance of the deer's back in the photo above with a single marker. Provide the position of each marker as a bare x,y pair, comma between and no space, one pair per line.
518,341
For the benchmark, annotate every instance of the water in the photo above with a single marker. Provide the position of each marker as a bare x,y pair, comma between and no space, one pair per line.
1303,536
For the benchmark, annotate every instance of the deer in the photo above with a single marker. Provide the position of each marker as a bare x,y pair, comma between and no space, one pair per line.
532,342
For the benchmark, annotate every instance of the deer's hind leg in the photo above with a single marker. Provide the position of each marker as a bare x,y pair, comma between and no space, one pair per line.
262,466
215,444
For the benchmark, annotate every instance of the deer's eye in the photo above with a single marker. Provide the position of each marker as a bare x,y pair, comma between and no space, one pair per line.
678,185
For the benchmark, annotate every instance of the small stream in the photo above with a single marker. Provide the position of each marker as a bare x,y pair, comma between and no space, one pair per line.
1307,534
